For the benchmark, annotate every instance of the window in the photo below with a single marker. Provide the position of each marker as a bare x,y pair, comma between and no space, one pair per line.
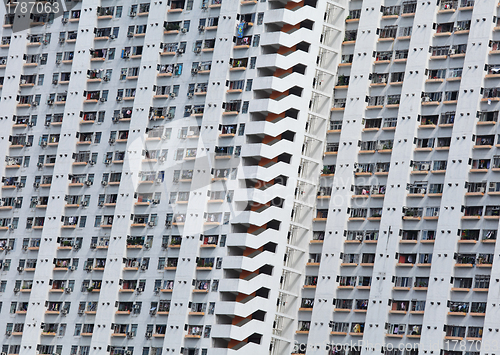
244,107
222,242
253,60
241,129
256,40
43,59
215,285
179,154
208,329
260,18
249,85
161,263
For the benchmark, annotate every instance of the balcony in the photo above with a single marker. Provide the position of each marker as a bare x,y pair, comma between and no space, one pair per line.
448,6
388,33
176,6
431,98
396,330
350,37
328,170
321,215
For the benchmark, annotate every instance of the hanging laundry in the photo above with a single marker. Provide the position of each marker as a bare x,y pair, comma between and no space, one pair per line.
239,29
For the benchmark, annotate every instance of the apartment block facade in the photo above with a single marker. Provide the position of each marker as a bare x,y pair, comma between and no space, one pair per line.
214,177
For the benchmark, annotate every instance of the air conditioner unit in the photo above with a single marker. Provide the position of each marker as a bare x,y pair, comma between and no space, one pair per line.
107,162
143,267
84,203
20,269
130,34
72,268
93,245
8,333
67,290
104,183
80,311
88,183
149,334
157,290
190,95
39,165
151,224
62,40
100,204
180,51
54,82
112,141
35,103
25,247
201,28
102,99
64,20
43,143
169,116
197,50
76,246
16,290
140,289
11,227
425,166
132,14
421,191
112,37
310,261
128,352
172,95
23,81
162,158
36,185
159,181
28,144
184,30
50,102
106,78
204,7
194,71
481,189
119,98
